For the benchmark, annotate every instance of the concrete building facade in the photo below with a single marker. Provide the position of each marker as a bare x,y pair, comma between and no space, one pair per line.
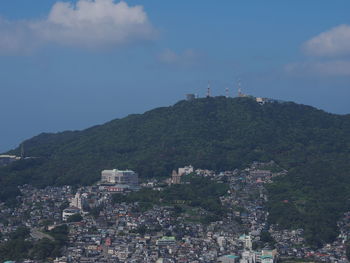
122,177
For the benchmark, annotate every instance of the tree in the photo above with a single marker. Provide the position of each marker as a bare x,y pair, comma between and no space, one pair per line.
74,218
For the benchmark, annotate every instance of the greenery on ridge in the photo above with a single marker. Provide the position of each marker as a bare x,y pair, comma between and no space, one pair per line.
19,247
312,197
199,192
213,133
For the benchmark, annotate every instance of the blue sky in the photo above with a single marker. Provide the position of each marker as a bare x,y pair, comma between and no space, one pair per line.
67,65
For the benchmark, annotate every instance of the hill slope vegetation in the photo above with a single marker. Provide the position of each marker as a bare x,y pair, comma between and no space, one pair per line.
214,133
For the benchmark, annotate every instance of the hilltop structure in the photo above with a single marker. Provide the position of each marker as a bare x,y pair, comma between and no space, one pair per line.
190,97
240,94
6,159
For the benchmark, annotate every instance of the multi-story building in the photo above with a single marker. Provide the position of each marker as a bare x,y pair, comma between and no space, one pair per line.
185,170
166,241
248,257
79,201
247,241
175,177
69,212
122,177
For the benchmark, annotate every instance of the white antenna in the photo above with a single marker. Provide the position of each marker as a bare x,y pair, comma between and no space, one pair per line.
240,94
208,91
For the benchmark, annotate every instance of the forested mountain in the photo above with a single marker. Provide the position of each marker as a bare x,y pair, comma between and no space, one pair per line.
215,133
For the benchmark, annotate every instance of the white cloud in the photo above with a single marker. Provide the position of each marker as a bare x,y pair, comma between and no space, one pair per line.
334,42
187,57
331,54
335,68
88,23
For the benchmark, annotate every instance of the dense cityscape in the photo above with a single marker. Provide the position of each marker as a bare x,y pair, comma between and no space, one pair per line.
103,227
174,131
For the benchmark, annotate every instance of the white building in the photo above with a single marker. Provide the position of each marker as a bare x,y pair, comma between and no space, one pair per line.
69,212
247,241
115,176
185,170
7,159
77,201
248,257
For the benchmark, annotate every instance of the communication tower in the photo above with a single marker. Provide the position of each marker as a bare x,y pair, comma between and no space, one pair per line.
22,151
208,91
240,94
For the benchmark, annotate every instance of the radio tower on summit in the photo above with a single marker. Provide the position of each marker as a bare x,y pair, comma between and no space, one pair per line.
240,94
208,91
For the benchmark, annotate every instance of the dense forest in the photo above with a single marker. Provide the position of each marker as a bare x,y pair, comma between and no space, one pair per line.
214,133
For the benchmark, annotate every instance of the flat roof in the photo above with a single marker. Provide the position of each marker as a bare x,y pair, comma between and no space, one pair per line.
231,256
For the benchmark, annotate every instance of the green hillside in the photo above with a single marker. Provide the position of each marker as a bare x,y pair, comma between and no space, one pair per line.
313,196
214,133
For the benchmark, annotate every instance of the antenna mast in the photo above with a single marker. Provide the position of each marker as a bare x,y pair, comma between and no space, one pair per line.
240,94
22,151
208,91
227,94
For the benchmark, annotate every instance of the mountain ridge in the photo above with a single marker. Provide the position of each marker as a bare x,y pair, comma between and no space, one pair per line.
197,122
212,133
